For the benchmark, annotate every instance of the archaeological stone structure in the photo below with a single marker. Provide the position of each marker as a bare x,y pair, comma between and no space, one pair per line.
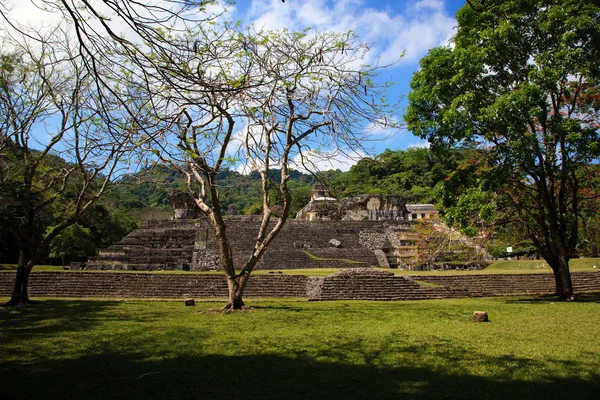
323,207
420,211
355,232
347,284
186,244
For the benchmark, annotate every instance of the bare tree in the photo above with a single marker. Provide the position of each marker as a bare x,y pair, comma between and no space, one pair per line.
289,94
57,155
110,33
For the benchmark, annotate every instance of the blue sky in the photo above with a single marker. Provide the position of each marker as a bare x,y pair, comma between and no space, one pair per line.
391,27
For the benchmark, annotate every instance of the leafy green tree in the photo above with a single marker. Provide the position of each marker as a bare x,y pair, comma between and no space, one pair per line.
107,225
73,243
521,81
413,173
589,229
56,158
439,243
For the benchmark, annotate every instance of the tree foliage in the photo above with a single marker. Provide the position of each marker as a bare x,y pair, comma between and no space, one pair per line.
521,81
56,158
266,100
414,173
73,243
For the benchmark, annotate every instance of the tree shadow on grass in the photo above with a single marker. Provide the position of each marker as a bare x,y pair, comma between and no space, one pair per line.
588,297
346,367
118,376
54,316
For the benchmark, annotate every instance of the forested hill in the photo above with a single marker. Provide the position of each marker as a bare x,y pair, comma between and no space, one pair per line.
145,193
412,173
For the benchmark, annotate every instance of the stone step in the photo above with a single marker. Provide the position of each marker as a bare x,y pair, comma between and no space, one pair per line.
382,287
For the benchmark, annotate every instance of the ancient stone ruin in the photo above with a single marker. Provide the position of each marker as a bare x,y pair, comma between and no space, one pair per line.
183,205
183,244
323,207
356,232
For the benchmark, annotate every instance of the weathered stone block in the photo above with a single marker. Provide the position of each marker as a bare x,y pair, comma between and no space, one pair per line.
480,316
190,302
381,258
76,266
335,243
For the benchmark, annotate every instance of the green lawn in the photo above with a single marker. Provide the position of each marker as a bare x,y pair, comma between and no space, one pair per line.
498,267
37,268
75,349
518,267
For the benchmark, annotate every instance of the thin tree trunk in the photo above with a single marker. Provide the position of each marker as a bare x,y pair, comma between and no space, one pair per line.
235,286
564,276
557,282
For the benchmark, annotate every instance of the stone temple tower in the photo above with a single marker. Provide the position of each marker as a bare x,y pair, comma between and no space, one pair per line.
320,192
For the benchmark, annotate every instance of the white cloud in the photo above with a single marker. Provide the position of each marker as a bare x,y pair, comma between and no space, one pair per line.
422,143
415,30
429,5
314,162
32,13
406,139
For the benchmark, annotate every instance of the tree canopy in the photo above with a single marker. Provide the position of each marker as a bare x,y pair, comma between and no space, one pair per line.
414,173
56,155
521,81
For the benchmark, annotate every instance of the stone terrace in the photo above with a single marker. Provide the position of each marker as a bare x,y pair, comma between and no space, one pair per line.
375,285
512,284
156,245
170,245
344,285
146,285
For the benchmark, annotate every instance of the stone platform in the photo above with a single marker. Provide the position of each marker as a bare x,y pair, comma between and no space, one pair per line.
344,285
191,245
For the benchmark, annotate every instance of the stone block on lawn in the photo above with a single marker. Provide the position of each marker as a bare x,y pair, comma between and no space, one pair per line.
480,316
335,243
190,302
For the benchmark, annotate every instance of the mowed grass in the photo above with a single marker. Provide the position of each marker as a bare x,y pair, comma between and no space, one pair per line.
518,267
37,268
75,349
498,267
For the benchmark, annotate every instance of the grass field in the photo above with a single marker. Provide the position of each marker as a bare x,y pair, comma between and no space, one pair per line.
498,267
74,349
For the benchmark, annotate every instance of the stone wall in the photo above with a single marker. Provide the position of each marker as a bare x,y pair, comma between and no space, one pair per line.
480,285
374,207
191,244
357,284
147,285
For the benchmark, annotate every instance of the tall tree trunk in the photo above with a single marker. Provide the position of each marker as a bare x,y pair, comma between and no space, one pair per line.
562,278
27,259
564,275
557,281
20,295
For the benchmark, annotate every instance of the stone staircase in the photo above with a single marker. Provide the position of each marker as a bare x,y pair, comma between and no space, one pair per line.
156,245
368,284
